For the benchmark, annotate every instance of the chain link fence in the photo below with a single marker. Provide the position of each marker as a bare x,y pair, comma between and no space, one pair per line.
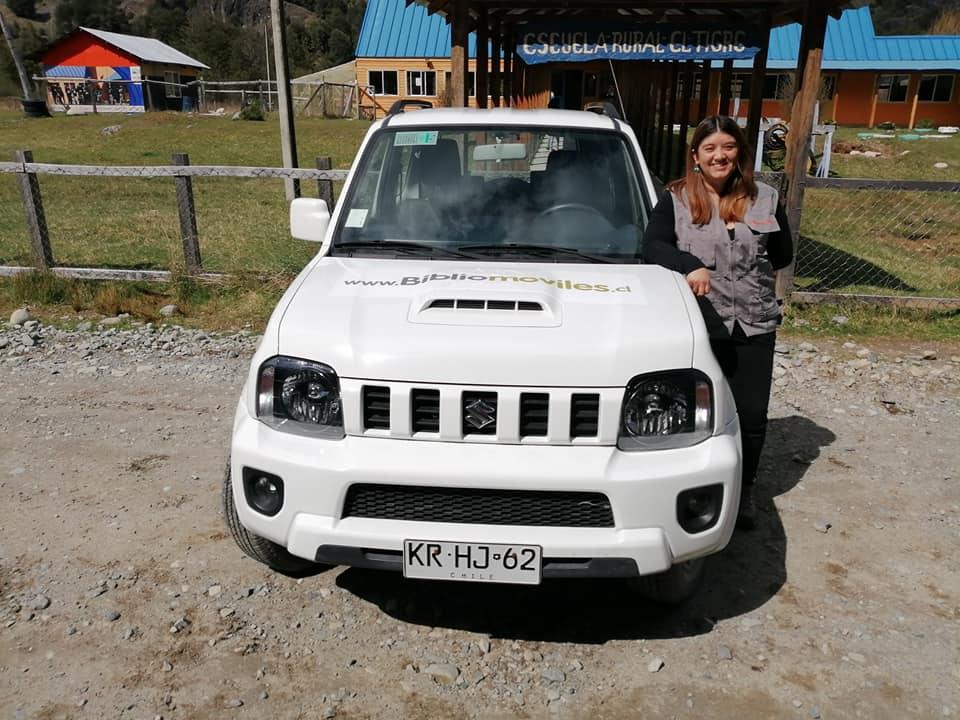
877,237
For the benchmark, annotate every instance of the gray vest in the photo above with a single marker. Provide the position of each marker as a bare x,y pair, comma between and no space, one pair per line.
742,285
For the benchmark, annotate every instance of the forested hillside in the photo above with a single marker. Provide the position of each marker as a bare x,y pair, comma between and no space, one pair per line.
227,35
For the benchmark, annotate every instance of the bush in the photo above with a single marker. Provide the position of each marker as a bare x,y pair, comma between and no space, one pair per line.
889,126
925,124
252,111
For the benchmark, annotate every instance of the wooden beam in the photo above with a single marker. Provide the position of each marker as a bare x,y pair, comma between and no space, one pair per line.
671,114
681,156
482,67
916,99
496,42
509,49
723,108
801,124
458,54
661,120
704,90
755,111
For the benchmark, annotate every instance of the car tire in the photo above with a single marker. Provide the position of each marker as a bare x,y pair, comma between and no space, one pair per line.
672,587
260,549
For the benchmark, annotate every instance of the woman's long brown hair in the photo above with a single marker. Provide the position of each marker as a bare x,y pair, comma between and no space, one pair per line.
740,188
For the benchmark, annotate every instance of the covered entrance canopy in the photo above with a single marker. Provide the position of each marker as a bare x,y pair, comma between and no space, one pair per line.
644,56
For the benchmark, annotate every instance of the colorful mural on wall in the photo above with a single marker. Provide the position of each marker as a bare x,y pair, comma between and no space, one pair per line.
112,89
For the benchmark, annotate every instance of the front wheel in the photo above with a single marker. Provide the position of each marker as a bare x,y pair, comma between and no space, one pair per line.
260,549
672,587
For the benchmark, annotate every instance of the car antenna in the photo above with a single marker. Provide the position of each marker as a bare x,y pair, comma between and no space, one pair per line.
616,85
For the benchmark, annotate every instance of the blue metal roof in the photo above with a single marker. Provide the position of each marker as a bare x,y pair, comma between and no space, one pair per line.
393,29
852,44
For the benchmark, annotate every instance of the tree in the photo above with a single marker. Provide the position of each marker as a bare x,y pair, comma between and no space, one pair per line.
99,14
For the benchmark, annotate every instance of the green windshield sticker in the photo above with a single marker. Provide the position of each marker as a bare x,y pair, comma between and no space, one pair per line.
416,137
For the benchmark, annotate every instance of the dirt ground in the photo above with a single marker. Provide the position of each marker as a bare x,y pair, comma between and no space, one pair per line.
123,595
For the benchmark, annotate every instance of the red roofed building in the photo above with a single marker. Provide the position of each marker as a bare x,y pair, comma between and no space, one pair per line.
112,72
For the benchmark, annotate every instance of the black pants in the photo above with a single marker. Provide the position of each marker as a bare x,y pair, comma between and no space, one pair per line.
747,363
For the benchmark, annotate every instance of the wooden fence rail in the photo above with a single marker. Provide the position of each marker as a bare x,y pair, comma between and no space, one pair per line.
182,173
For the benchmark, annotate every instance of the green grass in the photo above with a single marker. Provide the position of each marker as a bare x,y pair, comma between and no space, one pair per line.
133,222
129,222
900,159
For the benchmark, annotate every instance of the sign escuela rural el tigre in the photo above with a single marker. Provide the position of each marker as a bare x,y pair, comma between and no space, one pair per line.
568,42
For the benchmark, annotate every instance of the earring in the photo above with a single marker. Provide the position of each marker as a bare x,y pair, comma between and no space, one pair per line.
696,168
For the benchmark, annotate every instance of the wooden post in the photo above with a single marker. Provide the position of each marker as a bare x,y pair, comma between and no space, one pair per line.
723,108
913,107
661,121
508,66
873,106
33,209
288,136
671,112
496,41
755,111
681,156
325,187
704,90
480,73
188,217
801,125
458,54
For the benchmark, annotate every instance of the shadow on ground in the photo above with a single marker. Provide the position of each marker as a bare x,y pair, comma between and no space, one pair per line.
741,578
834,269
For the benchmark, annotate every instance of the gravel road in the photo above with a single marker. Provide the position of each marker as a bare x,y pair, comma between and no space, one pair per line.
124,597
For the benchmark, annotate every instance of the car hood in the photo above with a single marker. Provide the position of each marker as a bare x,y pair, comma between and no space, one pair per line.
477,323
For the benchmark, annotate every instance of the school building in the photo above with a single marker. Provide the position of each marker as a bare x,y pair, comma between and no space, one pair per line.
404,52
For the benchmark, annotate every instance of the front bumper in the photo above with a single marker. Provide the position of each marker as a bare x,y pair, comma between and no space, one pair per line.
642,488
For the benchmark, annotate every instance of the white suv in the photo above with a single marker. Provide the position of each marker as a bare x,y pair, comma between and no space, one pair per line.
477,379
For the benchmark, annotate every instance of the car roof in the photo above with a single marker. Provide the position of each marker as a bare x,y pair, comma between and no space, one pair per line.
574,119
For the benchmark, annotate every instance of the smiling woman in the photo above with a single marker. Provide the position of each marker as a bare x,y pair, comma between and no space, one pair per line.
728,235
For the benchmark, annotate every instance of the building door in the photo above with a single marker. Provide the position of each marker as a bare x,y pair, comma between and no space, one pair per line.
566,87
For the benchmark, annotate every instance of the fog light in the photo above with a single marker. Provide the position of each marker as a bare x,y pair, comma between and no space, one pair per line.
263,491
698,509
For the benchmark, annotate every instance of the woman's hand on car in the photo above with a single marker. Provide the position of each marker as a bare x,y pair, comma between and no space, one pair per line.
699,281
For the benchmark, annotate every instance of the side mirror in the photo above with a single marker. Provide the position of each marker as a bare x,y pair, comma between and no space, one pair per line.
309,218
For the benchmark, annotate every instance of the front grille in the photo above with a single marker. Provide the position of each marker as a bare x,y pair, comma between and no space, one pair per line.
376,407
584,415
484,414
425,409
534,410
478,506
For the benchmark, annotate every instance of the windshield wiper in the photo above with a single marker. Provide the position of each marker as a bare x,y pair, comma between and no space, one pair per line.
404,246
536,251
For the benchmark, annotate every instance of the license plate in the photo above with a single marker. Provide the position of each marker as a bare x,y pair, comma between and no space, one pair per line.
472,562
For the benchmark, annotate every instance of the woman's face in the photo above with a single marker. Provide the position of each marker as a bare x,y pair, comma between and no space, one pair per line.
717,157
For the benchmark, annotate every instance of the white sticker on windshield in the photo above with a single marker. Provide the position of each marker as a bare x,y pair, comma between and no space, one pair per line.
357,217
415,137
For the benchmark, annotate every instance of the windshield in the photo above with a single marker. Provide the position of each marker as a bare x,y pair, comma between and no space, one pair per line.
514,193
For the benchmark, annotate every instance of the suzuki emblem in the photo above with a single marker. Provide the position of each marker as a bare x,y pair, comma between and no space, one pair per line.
480,413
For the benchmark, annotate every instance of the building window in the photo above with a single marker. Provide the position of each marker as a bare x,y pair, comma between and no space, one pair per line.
777,86
892,88
740,85
171,87
935,88
828,87
421,82
384,82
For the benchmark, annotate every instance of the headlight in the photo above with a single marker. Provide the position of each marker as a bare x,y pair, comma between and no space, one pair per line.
666,410
299,396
